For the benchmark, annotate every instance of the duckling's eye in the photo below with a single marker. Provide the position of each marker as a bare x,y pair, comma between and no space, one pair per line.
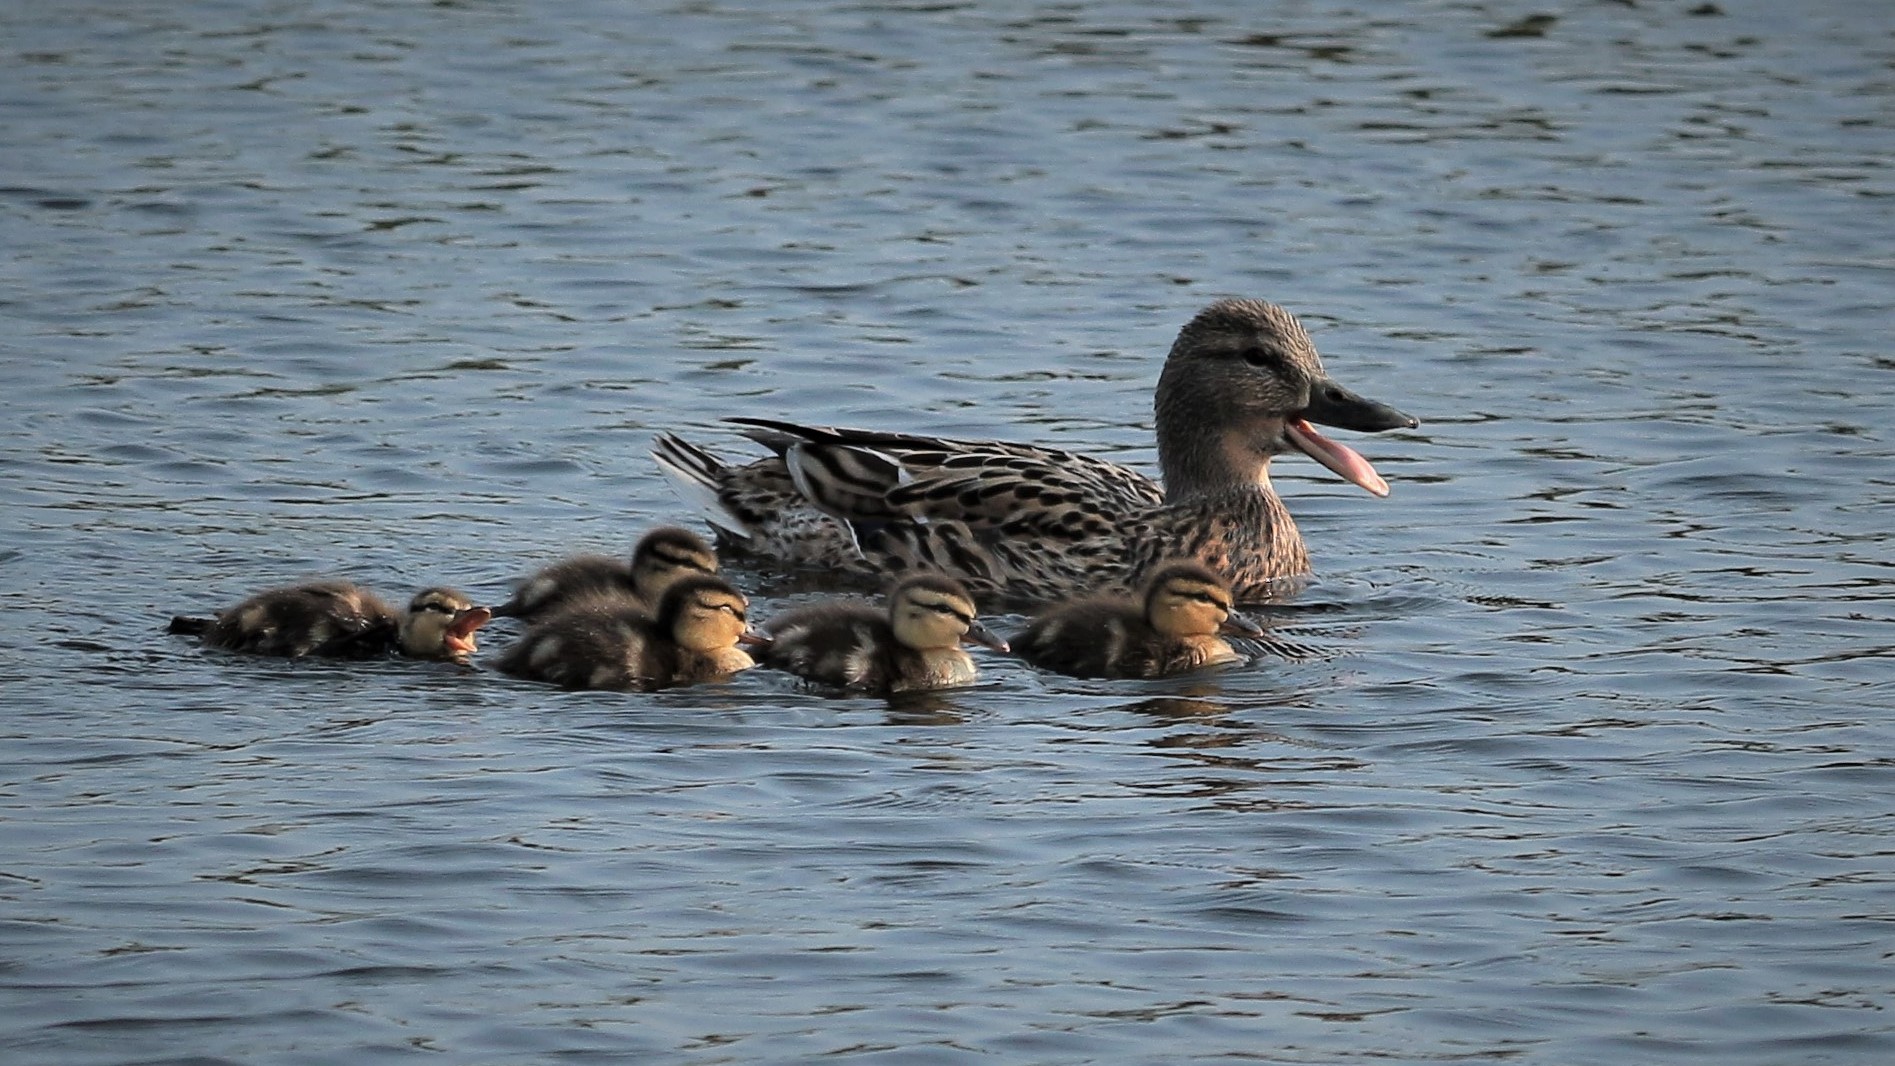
439,608
1256,355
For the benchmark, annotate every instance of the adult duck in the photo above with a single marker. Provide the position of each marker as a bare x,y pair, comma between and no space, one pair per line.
1242,385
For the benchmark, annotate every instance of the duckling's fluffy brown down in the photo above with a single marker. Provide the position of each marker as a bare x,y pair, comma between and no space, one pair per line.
914,643
660,557
611,642
1172,626
338,619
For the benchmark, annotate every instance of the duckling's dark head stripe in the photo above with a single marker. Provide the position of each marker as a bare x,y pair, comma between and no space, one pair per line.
966,617
1202,596
447,601
942,593
664,554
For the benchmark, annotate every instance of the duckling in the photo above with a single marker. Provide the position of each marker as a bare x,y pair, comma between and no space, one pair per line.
660,557
338,619
914,644
609,641
1242,385
1171,627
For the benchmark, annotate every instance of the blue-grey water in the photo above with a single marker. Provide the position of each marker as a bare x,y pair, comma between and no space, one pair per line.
1586,752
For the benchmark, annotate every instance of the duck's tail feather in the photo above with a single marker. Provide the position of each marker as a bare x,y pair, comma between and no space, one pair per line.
698,476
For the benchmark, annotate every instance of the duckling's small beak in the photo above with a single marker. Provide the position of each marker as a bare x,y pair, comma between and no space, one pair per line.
1333,405
459,637
1239,624
981,635
755,638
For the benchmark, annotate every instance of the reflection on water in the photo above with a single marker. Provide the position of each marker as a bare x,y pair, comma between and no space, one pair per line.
1571,750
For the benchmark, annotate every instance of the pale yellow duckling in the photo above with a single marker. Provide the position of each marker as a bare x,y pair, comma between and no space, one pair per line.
612,642
1171,627
660,557
341,620
915,643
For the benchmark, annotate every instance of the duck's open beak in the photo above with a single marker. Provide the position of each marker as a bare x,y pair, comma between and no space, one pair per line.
1333,405
753,637
1239,624
981,635
459,637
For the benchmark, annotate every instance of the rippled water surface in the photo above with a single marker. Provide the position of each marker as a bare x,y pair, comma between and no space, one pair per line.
1584,756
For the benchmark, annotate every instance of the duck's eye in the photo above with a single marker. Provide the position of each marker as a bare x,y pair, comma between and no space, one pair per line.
440,608
1255,355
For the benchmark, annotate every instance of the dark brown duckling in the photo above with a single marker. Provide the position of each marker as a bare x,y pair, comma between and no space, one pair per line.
912,644
660,557
337,619
1171,627
612,642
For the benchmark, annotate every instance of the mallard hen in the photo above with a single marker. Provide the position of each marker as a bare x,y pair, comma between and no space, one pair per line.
912,644
612,642
340,620
660,557
1242,385
1171,627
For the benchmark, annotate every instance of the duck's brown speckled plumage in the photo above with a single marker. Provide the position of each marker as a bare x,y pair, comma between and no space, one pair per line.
912,644
611,642
660,557
1020,523
1172,626
337,619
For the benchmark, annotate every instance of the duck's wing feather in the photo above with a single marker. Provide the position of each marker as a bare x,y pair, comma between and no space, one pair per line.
870,476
